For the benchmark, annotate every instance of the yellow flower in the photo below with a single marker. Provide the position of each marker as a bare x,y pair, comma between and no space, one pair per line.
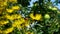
1,31
3,22
5,3
13,1
18,27
8,30
9,10
9,17
15,7
17,23
1,4
16,16
22,20
36,17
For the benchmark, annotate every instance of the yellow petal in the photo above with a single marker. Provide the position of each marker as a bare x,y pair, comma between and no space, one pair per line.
36,17
5,3
8,30
16,16
9,10
31,15
9,17
3,22
15,7
19,27
17,23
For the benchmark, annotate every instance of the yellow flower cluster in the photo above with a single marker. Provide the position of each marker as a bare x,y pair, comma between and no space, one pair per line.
3,22
36,17
16,23
3,3
16,18
8,30
19,23
12,9
13,17
9,10
15,7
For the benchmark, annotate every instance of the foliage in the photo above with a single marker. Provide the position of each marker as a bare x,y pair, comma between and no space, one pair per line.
16,17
